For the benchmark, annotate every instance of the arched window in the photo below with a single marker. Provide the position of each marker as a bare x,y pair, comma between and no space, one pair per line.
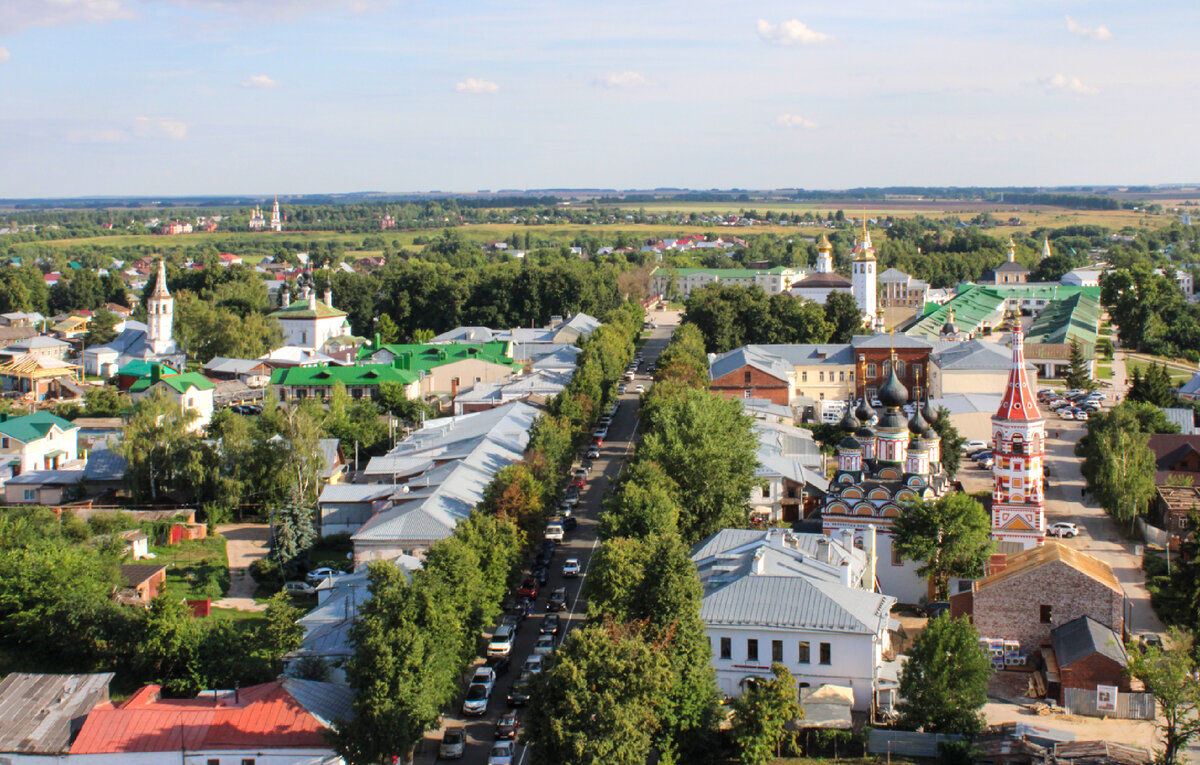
900,367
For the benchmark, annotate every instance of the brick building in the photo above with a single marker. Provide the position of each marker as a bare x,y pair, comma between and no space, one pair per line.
873,359
753,376
1087,654
1031,593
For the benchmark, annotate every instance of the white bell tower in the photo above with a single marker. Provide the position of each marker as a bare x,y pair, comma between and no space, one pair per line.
863,277
160,315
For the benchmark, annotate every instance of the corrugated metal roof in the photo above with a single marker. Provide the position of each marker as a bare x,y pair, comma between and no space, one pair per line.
796,602
38,713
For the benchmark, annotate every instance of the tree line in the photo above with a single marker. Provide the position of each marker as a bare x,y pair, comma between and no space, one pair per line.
730,316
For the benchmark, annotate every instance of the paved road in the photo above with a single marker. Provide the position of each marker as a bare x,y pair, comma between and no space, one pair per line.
580,543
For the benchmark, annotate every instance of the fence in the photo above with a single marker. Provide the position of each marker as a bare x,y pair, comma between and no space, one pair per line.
906,743
1152,534
1130,706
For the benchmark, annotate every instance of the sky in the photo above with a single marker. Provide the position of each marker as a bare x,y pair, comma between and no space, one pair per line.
185,97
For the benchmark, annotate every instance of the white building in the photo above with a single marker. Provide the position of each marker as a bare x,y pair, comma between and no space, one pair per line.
38,441
192,390
309,323
772,281
806,601
863,275
791,471
152,341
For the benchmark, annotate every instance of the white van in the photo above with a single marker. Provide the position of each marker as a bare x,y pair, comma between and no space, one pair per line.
502,641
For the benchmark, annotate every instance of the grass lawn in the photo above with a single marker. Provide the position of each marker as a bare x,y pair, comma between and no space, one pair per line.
1104,371
196,569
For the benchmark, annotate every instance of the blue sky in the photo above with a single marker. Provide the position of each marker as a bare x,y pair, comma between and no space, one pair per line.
167,97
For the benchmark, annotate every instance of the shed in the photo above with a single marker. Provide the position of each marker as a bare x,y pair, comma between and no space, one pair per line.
1089,654
145,581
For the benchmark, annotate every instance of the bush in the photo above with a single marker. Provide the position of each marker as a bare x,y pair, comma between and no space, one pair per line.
75,530
216,515
111,523
312,668
267,573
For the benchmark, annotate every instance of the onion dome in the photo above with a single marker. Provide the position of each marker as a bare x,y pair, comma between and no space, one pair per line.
849,444
928,413
893,419
918,444
917,424
849,422
929,434
893,393
865,433
949,328
865,411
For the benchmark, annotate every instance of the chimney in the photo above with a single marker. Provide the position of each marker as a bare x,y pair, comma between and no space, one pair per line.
378,340
872,560
846,574
3,416
760,563
848,539
329,297
155,372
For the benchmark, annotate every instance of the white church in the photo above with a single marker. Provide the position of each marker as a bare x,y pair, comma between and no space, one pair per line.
151,341
818,285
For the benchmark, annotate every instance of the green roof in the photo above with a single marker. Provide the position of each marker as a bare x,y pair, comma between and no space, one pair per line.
179,383
1074,319
31,427
974,303
416,357
141,368
301,310
368,374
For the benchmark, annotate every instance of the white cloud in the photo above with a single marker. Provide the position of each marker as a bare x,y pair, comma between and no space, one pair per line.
790,32
4,55
1091,33
55,13
1069,83
794,121
160,127
260,81
476,85
623,80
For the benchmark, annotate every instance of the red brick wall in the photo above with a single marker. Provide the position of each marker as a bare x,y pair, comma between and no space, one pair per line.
1091,671
761,385
1011,608
912,357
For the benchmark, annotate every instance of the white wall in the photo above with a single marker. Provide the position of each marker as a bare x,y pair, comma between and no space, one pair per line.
33,454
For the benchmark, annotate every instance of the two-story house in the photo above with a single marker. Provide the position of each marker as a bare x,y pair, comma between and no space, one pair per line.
38,441
804,600
192,390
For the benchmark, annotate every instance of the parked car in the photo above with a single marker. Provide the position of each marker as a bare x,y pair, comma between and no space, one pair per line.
593,452
1150,640
570,568
541,573
550,624
299,588
485,676
974,445
579,481
518,695
502,641
532,665
501,754
987,464
554,531
640,389
507,727
544,645
1081,415
499,664
1066,413
318,575
983,455
937,608
528,588
476,701
453,744
1063,529
569,523
557,600
520,608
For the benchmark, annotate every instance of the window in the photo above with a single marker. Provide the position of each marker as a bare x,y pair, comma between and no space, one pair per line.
870,370
776,650
1183,523
4,443
1047,614
896,559
303,337
805,656
825,653
804,377
820,376
746,377
766,490
247,761
751,650
748,393
851,375
726,648
842,376
214,761
30,494
899,368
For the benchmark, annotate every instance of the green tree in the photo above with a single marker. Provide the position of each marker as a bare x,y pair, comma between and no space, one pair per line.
388,330
168,651
951,537
516,495
761,715
1079,376
281,633
1171,675
844,316
951,441
1122,474
391,398
105,401
162,453
644,504
101,329
944,682
292,534
599,700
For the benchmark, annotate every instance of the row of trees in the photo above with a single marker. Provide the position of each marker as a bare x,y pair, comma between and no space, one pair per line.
1151,312
417,635
1117,462
637,677
729,316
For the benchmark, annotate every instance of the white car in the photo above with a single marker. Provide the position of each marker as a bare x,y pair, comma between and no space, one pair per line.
1066,413
554,531
501,754
973,445
299,588
318,575
544,645
570,568
533,665
640,389
485,676
1063,529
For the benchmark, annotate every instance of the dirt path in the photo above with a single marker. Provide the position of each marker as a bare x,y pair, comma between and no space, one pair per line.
245,543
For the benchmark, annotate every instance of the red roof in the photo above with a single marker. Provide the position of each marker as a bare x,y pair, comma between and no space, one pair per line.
1019,402
262,716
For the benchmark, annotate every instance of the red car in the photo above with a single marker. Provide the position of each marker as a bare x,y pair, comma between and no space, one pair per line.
528,588
579,480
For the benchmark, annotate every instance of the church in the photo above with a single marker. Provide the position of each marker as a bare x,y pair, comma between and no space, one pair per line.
882,467
147,342
862,285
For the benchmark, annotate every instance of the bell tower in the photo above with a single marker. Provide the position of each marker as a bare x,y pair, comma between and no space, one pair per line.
862,281
160,315
1019,447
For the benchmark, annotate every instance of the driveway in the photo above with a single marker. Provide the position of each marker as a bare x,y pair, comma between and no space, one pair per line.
244,544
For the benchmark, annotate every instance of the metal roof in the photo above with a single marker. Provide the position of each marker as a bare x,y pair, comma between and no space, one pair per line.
796,602
1084,636
40,713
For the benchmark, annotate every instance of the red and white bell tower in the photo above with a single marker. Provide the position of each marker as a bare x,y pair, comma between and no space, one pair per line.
1019,446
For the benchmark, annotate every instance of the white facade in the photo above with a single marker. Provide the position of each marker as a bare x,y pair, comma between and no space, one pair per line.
310,324
863,277
160,316
59,444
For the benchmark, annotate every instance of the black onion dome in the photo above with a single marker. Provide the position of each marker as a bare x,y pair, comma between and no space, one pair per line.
917,424
849,443
893,419
865,411
849,422
948,328
928,413
865,432
918,445
893,393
